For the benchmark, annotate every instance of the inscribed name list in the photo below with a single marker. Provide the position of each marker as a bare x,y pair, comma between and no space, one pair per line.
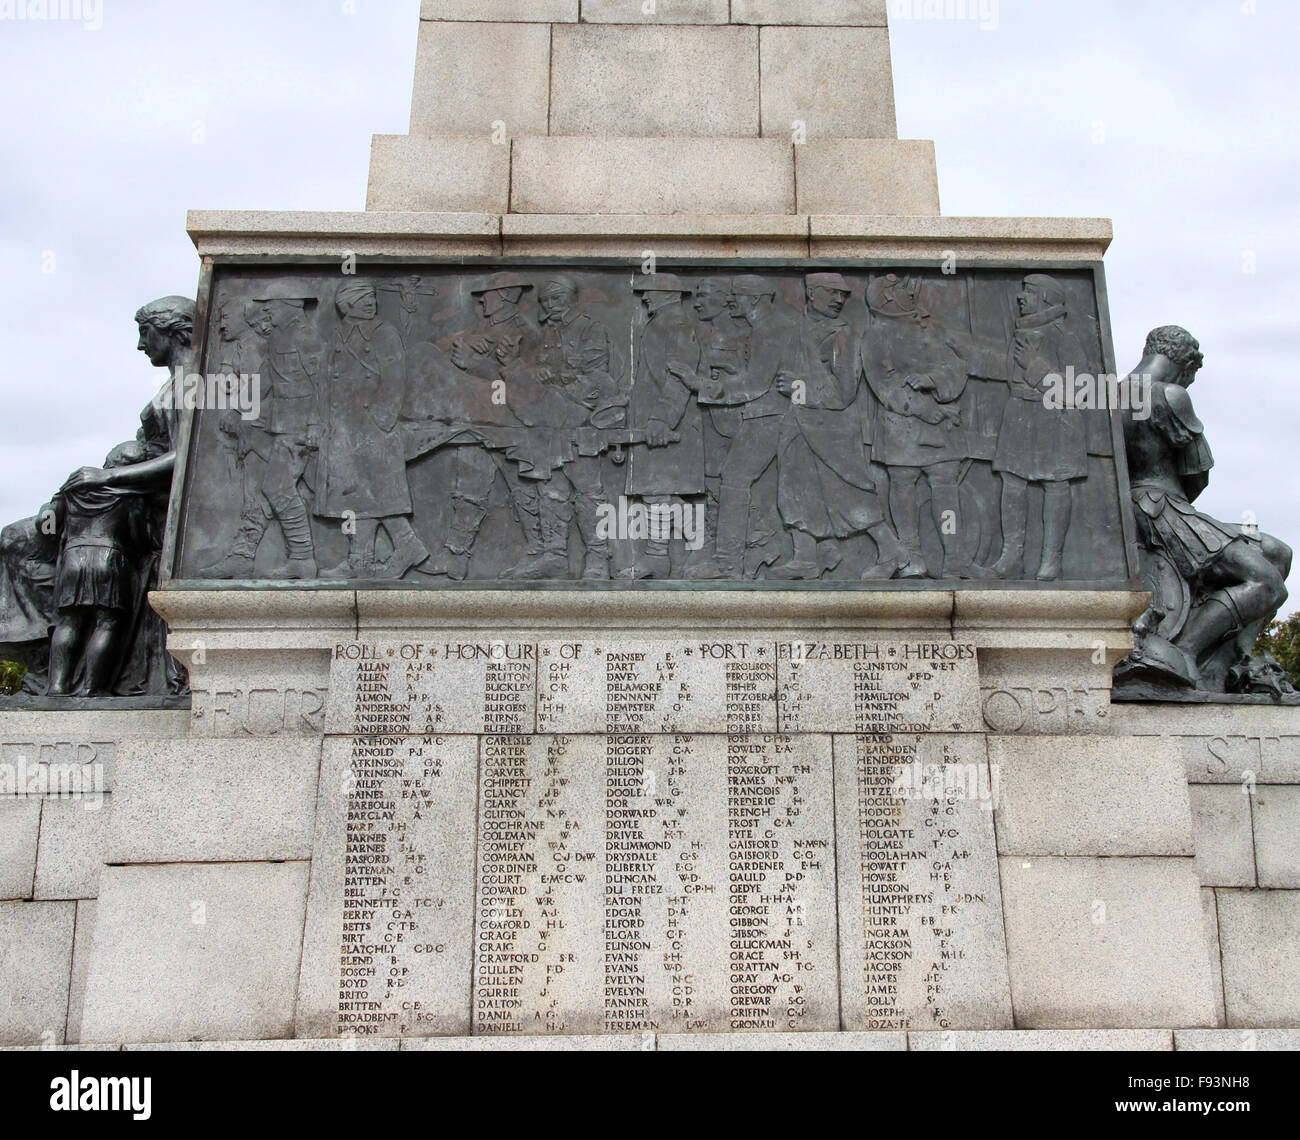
437,686
638,883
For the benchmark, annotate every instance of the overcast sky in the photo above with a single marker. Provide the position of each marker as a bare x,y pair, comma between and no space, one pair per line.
1173,117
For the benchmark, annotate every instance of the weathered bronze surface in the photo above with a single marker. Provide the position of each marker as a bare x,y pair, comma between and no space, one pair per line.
1214,585
436,424
75,578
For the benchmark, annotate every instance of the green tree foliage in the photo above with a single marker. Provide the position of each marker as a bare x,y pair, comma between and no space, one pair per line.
1282,640
11,677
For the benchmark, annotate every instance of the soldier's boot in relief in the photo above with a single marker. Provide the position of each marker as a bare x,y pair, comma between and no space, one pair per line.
530,521
234,566
957,563
909,535
893,559
713,569
595,565
350,568
729,546
408,551
829,554
795,571
1012,563
446,563
1051,568
547,566
1015,503
452,561
296,528
239,562
553,560
913,565
654,561
803,564
697,550
1056,525
360,563
907,521
964,570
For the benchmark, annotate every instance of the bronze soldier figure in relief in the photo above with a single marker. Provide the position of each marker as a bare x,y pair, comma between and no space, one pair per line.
291,397
474,390
669,468
575,367
774,338
918,382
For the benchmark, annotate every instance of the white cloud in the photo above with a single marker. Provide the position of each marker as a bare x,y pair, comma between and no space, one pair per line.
1198,166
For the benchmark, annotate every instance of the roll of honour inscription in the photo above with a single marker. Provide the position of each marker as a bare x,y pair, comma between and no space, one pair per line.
618,836
631,882
920,902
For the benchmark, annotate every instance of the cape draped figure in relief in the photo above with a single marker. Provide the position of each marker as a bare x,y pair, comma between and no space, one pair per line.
825,490
362,463
1215,586
918,381
796,396
669,467
473,387
94,551
1037,444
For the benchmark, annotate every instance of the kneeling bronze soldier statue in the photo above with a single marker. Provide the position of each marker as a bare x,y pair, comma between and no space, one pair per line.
1215,586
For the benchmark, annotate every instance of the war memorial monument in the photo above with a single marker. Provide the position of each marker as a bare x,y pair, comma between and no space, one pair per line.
649,578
